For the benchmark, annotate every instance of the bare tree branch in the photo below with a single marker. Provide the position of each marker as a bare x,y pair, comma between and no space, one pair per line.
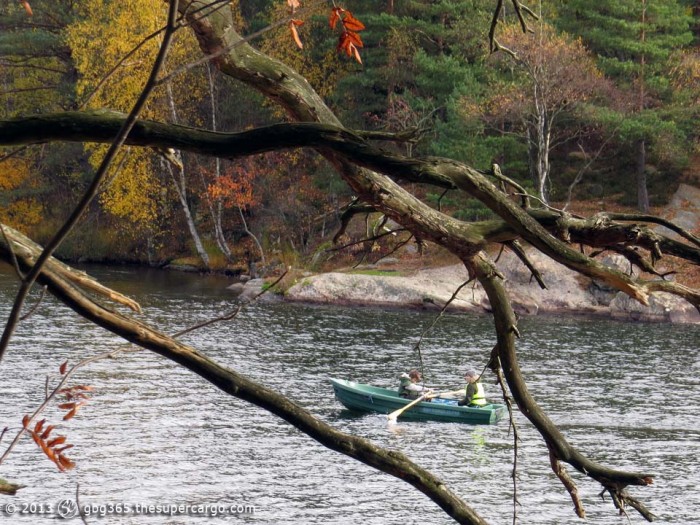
237,385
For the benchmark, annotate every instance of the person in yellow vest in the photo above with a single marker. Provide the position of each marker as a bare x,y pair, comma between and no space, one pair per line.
474,395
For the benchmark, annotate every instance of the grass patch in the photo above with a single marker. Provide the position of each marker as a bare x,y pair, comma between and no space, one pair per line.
386,273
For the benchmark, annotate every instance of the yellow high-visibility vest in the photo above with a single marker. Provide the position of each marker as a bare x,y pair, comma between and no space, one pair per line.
479,397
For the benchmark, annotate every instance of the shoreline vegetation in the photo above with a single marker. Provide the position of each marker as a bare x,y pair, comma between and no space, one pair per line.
409,280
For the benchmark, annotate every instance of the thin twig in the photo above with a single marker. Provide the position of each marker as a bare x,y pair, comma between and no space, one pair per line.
36,305
181,23
561,473
231,315
396,248
520,253
53,394
366,239
633,217
496,367
441,313
498,174
12,153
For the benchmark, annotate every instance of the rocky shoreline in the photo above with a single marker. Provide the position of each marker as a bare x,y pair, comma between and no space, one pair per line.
567,293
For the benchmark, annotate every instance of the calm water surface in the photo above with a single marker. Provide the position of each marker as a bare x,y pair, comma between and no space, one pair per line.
154,434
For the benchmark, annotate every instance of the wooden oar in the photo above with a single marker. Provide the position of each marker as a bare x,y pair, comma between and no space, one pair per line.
396,413
451,393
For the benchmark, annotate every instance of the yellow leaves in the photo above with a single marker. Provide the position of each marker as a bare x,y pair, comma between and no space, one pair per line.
14,172
134,192
20,212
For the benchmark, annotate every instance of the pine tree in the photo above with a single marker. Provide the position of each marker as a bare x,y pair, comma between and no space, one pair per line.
633,40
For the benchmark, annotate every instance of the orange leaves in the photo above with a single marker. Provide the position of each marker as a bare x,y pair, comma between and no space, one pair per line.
351,23
349,40
233,187
76,396
27,7
232,191
51,448
293,24
335,17
54,446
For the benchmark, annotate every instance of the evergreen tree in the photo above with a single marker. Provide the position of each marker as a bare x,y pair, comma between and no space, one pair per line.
634,40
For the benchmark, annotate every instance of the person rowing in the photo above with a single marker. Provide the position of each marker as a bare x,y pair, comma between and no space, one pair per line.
409,387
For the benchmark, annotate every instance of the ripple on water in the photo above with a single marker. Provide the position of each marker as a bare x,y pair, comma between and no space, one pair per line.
628,395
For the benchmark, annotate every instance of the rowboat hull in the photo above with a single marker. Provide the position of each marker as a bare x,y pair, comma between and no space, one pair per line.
367,398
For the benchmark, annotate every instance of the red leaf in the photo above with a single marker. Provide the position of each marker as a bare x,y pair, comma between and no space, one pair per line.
25,421
27,7
351,23
63,367
70,414
355,39
66,463
39,426
47,431
66,406
295,33
335,16
60,440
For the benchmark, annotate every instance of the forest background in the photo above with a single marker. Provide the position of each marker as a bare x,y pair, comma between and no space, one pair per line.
597,109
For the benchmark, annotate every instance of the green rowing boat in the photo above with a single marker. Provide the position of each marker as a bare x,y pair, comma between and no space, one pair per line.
367,398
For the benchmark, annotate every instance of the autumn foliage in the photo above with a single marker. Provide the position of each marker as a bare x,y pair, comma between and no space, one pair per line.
51,445
341,19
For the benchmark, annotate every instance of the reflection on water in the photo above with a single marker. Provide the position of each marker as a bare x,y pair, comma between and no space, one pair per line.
626,394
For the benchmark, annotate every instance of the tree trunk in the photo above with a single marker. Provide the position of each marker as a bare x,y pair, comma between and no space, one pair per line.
216,208
181,188
642,194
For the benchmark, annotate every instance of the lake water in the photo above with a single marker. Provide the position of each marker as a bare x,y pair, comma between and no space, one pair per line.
628,395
